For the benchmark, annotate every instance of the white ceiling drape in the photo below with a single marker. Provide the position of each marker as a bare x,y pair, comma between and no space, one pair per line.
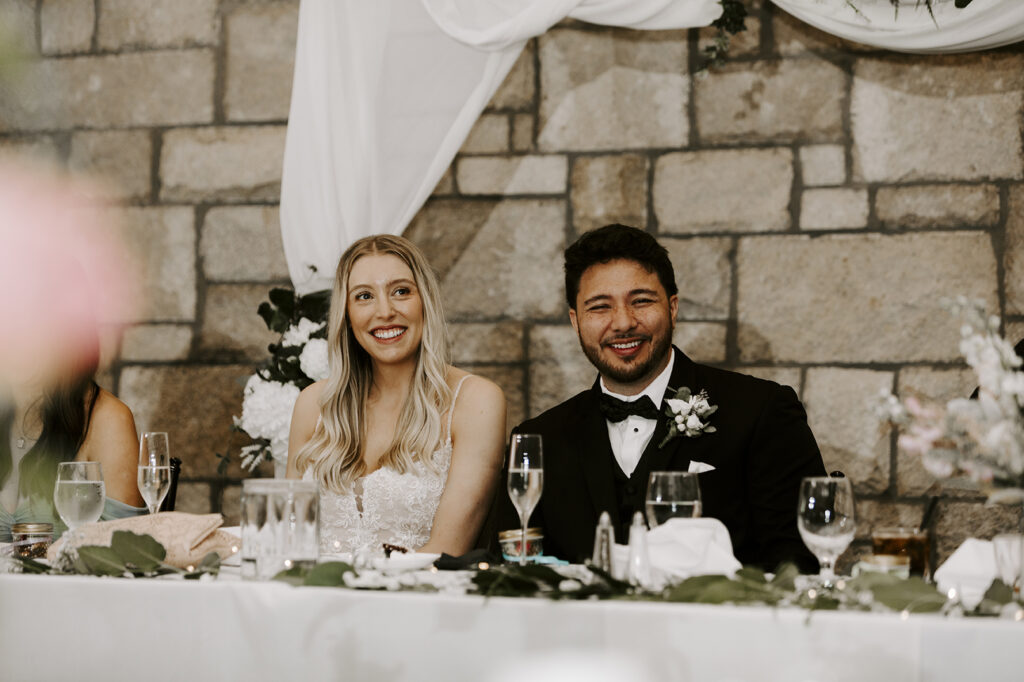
981,25
386,91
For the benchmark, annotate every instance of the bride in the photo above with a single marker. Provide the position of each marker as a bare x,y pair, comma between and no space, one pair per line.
406,448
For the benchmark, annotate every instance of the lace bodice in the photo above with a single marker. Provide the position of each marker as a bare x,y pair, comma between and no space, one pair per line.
386,506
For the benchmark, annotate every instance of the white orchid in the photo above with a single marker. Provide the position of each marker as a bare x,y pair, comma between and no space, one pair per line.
981,438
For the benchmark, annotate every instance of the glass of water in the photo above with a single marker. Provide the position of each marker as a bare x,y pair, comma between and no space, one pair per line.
672,494
154,468
826,520
280,526
79,493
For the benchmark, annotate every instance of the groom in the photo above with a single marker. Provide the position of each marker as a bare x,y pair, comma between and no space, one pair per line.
601,445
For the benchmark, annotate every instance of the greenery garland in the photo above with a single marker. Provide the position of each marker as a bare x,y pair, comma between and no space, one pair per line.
749,586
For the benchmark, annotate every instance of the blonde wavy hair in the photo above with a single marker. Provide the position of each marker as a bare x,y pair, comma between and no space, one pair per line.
335,451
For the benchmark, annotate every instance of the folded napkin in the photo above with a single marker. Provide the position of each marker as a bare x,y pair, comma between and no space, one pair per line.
186,537
680,548
970,570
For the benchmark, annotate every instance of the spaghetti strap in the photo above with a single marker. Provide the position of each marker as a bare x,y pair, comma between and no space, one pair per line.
451,410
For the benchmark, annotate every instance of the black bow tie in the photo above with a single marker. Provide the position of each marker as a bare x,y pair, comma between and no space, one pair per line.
616,410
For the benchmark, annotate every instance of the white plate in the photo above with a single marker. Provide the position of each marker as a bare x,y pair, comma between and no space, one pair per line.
400,563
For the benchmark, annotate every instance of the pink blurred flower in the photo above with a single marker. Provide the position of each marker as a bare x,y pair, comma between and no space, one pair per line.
63,273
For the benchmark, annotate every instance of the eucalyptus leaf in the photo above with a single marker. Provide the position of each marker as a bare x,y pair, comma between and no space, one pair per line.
999,593
329,574
139,553
101,560
913,594
752,574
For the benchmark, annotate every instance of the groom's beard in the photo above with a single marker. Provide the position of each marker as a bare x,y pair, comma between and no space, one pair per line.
629,371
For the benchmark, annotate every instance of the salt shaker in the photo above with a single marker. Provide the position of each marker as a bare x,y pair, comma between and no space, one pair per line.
639,570
604,540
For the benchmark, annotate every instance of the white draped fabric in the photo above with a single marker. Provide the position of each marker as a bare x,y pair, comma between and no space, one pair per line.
981,25
386,91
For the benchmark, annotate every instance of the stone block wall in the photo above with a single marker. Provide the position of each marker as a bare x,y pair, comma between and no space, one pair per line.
817,197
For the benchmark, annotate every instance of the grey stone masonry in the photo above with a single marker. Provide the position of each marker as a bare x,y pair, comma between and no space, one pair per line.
591,82
260,61
157,23
726,190
226,163
114,91
857,298
937,118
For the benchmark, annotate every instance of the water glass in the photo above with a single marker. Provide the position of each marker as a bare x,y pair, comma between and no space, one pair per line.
79,493
280,526
825,518
672,494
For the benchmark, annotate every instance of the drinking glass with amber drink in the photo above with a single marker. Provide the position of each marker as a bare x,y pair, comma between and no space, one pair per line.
909,542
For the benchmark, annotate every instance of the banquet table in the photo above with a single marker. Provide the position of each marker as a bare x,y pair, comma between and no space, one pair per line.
87,628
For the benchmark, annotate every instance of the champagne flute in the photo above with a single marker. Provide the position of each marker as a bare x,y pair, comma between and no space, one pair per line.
672,494
525,479
154,468
825,518
79,493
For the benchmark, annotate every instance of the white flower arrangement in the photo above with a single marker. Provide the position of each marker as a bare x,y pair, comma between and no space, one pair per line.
688,414
981,438
299,359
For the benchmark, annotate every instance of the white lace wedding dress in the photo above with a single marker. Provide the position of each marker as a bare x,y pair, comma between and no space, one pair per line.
386,506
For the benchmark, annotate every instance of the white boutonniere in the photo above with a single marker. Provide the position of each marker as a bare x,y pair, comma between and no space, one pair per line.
688,414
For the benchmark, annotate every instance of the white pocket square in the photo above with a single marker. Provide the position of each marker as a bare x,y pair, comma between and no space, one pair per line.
699,467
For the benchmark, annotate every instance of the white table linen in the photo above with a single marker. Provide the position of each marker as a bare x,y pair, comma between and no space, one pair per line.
83,628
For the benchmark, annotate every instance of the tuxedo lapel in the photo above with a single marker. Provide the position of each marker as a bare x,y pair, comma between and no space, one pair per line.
656,457
594,453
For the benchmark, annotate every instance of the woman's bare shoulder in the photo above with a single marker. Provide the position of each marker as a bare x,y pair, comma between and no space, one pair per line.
108,412
111,433
477,392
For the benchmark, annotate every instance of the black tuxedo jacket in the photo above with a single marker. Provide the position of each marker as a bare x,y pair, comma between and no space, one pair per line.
760,451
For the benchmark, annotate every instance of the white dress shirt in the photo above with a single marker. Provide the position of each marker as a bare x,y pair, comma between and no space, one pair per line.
629,437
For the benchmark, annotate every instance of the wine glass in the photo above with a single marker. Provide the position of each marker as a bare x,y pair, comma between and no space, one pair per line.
525,479
154,468
672,494
79,493
825,517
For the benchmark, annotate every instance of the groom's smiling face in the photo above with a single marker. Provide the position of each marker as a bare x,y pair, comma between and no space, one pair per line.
624,319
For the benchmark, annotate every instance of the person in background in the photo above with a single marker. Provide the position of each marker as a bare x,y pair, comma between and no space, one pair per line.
405,447
43,424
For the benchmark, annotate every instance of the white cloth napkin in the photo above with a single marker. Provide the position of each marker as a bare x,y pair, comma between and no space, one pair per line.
970,570
699,467
681,548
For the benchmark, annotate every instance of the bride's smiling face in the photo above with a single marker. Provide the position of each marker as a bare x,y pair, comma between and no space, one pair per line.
384,308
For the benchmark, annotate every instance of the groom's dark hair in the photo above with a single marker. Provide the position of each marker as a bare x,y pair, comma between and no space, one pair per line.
615,242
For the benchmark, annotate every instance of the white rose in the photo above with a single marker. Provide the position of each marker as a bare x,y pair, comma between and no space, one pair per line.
313,360
693,423
267,412
678,407
298,334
